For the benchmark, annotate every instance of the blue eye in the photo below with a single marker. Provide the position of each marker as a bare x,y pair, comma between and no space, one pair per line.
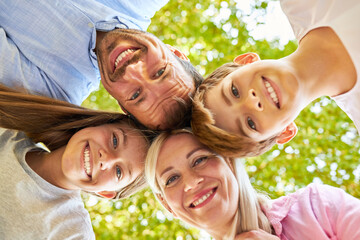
118,172
159,73
115,141
199,160
251,123
171,179
135,95
234,91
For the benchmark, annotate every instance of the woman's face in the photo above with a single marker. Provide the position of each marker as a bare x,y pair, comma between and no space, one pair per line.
104,158
198,186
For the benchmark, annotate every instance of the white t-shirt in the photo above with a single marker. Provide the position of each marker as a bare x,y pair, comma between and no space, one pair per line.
343,16
32,208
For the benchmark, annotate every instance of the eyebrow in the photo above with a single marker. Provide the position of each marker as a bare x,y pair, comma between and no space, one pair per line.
227,101
125,136
165,170
240,127
193,151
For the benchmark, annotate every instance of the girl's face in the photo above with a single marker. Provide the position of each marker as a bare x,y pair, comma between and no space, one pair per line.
198,186
104,158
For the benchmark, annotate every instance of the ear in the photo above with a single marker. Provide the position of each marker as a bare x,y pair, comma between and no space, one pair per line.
246,58
288,133
165,204
107,194
178,53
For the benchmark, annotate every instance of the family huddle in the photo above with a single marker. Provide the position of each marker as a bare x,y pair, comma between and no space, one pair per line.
184,135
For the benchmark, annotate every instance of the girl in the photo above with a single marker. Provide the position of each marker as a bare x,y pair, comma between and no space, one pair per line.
98,152
214,193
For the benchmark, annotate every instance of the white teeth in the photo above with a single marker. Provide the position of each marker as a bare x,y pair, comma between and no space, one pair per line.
87,161
122,55
271,92
203,198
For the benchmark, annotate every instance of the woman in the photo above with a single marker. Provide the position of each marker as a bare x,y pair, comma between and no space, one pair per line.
94,151
214,193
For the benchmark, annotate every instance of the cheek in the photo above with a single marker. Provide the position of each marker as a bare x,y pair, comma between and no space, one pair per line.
106,182
273,127
173,198
117,90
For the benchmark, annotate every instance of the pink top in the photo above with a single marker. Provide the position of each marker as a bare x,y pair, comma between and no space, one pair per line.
316,212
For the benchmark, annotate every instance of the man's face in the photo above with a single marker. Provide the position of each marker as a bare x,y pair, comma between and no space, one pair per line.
143,75
257,100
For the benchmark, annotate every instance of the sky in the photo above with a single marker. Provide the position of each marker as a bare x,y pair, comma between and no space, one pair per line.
276,24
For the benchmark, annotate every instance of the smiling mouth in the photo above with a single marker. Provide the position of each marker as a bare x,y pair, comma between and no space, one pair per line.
123,57
87,165
273,95
202,199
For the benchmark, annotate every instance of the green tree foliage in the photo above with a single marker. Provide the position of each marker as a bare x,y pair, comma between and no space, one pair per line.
211,32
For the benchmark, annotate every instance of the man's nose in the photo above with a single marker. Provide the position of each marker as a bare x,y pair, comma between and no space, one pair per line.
253,100
136,72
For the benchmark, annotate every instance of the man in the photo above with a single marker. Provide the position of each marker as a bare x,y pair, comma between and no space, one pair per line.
56,48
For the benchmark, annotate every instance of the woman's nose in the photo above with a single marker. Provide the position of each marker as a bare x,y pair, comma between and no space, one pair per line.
192,181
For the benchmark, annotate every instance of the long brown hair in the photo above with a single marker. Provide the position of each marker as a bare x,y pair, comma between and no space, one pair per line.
54,122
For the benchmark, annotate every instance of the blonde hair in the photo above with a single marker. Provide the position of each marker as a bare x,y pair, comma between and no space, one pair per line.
249,215
219,140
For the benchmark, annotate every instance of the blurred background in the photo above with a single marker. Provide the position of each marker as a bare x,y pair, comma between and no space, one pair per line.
212,32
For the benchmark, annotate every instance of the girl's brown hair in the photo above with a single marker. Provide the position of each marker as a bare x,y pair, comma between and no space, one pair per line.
54,122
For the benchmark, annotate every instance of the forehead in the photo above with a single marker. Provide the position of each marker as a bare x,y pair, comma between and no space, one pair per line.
177,147
120,124
168,107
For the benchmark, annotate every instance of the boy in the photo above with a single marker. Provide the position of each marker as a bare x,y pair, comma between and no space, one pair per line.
253,107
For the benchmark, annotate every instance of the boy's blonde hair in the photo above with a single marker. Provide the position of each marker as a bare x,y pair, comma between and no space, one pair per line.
249,215
219,140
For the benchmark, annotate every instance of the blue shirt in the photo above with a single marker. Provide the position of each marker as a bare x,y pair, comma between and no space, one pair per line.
47,46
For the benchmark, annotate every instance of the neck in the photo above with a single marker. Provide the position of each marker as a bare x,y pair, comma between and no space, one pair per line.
323,65
220,231
47,166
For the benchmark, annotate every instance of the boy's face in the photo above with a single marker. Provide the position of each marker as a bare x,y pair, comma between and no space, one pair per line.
258,100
